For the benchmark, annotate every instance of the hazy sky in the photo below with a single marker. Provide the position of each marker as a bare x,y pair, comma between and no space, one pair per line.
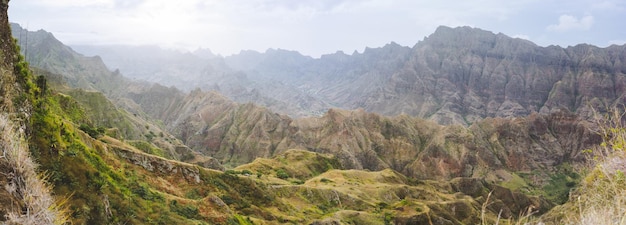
315,27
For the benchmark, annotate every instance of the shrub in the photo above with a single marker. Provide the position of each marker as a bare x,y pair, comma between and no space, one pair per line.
298,182
231,172
93,132
282,174
187,211
193,194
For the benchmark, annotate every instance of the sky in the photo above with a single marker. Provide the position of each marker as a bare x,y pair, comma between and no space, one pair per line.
315,27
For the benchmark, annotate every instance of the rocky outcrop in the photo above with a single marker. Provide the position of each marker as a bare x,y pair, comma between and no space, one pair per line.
160,165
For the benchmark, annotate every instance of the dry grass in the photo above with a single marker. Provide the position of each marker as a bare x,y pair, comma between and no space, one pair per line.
24,183
524,219
602,197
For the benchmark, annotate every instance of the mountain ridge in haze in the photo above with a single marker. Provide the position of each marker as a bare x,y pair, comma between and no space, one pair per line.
453,76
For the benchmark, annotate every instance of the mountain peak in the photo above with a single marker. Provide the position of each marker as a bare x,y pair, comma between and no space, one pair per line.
205,53
474,38
389,48
17,30
444,34
283,52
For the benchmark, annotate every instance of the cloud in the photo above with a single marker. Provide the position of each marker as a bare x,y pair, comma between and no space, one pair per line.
608,5
569,23
521,36
313,27
617,42
73,3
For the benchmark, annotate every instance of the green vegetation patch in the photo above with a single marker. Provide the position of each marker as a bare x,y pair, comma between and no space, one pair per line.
561,183
515,183
147,147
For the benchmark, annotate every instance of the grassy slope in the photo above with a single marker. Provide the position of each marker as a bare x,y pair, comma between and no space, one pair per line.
101,186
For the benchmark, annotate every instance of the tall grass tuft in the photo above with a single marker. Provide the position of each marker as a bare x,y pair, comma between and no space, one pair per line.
25,184
601,199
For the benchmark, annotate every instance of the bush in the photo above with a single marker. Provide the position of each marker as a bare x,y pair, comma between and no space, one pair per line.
231,172
187,211
193,194
93,132
282,174
298,182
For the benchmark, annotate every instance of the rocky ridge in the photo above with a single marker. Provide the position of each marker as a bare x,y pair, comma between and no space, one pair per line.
534,146
454,76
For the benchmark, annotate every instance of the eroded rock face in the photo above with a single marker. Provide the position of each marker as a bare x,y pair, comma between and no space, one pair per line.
455,76
461,75
236,134
160,165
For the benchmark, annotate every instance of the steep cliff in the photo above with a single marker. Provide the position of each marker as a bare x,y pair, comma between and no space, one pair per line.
460,75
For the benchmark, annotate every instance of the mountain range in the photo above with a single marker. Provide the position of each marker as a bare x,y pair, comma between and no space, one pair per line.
454,76
465,123
235,133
